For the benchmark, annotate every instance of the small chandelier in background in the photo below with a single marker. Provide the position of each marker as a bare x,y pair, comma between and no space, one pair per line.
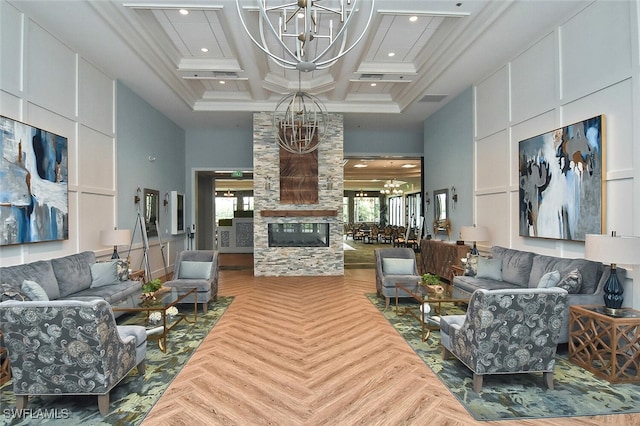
391,187
361,194
229,193
298,23
299,122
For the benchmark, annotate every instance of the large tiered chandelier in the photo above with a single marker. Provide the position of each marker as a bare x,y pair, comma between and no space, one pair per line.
285,29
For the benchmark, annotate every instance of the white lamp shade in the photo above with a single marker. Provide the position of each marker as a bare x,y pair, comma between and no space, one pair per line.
115,237
608,249
474,233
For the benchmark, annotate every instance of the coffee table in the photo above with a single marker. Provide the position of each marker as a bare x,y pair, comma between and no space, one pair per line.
161,303
422,293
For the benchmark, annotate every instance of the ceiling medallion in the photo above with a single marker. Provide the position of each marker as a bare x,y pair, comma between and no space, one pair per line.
289,28
299,122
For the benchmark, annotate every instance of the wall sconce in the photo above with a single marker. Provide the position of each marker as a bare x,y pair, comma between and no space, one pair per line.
165,202
330,183
267,183
454,198
427,202
136,198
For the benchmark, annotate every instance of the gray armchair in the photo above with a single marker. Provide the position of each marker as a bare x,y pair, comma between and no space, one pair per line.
506,332
395,265
69,347
196,269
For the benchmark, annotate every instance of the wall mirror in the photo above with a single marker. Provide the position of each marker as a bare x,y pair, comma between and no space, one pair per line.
440,219
151,211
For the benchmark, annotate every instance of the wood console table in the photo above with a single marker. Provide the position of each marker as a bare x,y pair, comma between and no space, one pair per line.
439,256
606,346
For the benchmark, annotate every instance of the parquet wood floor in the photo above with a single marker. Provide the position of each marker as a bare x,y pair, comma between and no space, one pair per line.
313,351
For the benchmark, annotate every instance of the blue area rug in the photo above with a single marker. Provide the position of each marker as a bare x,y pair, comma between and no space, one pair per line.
520,396
134,396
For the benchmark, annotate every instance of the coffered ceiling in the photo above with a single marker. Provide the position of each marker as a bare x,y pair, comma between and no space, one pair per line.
158,52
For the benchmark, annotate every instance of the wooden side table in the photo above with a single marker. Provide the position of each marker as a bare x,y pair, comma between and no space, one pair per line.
605,345
137,275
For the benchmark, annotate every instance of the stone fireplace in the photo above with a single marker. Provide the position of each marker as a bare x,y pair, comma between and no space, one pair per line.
296,259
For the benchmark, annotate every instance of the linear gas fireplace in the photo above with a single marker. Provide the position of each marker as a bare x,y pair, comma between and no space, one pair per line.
298,234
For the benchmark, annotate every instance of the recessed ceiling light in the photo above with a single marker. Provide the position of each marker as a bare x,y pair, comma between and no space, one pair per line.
413,18
204,50
360,166
184,12
409,166
390,54
373,84
222,82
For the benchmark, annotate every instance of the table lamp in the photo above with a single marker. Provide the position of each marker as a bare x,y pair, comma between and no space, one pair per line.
115,237
474,233
613,250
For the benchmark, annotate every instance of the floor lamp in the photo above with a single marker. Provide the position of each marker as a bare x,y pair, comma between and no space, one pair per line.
613,250
115,237
474,233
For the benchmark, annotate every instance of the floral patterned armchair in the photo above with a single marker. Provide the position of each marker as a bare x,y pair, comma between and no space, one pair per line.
506,332
69,347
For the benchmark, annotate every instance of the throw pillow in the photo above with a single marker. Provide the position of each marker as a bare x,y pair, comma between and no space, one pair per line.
122,269
195,270
34,291
571,282
550,279
12,292
471,265
489,268
397,266
103,273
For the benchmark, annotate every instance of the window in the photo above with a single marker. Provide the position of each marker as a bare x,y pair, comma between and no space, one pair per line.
225,206
396,216
345,209
367,209
247,204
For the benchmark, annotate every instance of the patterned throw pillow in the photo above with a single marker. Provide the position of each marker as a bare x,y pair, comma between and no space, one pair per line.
122,269
571,282
11,292
471,265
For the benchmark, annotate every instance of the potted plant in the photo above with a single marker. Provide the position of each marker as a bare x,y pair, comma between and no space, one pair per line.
430,279
149,288
432,283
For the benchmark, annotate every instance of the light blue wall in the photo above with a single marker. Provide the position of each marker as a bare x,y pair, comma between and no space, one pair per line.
219,149
448,159
361,142
232,148
144,132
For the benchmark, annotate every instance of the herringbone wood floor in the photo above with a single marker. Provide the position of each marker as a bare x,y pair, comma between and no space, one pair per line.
313,351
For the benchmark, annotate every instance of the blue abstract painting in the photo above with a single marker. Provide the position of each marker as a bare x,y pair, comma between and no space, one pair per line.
33,184
561,182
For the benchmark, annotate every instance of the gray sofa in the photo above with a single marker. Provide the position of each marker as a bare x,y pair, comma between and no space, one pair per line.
70,277
522,269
